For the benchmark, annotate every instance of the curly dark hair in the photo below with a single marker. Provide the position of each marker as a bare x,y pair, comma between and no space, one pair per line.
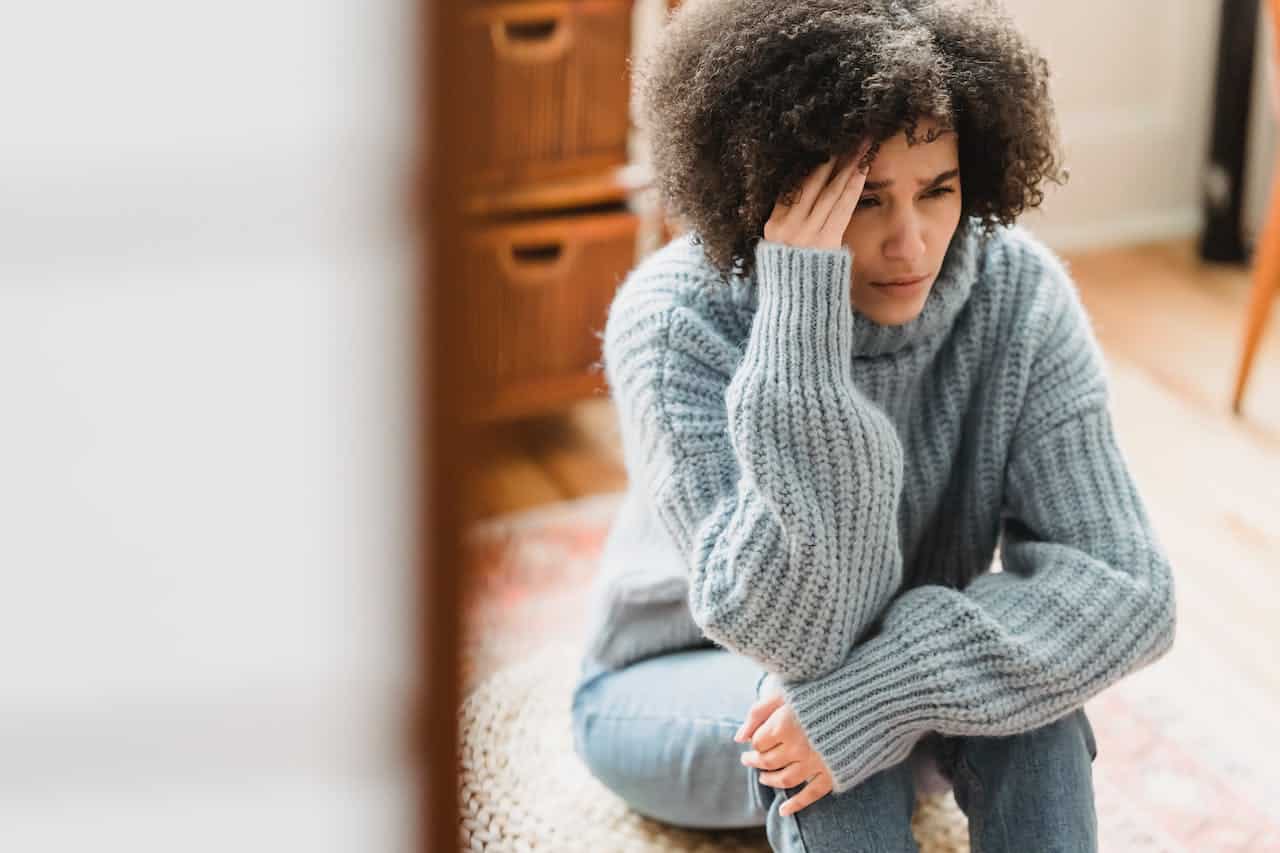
743,98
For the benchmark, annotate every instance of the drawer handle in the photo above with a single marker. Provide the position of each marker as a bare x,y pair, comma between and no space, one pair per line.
536,263
532,40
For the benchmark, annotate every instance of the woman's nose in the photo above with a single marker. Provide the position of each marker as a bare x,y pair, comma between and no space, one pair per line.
907,242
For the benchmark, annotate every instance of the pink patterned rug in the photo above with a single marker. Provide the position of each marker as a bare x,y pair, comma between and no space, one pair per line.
1180,766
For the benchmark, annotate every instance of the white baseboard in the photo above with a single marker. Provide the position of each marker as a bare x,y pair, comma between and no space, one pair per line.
1141,228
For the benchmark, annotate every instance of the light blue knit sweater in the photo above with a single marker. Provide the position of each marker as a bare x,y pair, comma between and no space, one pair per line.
825,495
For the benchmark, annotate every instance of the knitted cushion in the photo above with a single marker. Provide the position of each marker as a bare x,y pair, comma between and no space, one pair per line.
524,788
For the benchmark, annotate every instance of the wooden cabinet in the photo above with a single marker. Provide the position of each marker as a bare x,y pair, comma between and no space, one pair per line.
551,232
549,87
539,293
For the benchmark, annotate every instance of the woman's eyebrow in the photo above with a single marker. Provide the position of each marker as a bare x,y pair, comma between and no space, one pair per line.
944,176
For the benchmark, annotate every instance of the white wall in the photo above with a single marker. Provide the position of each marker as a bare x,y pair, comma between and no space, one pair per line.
205,436
1133,83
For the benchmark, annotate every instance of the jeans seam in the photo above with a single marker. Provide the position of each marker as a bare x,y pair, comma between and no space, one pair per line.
1090,737
804,845
977,801
753,778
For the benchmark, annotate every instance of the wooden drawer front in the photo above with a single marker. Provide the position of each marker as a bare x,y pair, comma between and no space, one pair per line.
538,295
548,86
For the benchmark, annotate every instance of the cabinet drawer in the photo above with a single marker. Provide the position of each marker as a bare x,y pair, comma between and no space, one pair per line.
548,88
537,297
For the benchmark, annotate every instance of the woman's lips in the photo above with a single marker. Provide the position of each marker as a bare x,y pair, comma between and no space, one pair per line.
901,284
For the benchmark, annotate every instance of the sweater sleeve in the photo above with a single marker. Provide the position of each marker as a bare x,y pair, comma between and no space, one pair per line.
1086,595
777,479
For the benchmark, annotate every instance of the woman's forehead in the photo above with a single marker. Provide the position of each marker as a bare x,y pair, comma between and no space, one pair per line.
897,159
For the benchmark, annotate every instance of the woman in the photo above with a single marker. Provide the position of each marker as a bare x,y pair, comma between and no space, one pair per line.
850,382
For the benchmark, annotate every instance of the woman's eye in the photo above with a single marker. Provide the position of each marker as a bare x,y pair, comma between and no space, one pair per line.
937,192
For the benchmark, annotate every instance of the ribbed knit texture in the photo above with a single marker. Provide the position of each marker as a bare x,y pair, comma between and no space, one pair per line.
835,491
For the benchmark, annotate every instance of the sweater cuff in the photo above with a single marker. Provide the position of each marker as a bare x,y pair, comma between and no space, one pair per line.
805,306
867,714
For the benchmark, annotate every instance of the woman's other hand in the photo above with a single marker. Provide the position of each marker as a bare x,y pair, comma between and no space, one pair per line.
781,751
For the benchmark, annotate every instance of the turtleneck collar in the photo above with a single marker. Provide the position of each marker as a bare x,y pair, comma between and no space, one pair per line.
948,295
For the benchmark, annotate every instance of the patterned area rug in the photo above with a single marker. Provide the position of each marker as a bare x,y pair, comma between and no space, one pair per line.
1172,774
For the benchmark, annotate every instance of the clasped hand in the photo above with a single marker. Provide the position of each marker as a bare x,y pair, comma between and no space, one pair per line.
782,751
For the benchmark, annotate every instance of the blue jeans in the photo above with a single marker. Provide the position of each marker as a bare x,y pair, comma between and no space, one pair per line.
659,734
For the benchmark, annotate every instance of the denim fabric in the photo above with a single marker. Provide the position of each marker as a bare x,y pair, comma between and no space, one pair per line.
1032,791
659,734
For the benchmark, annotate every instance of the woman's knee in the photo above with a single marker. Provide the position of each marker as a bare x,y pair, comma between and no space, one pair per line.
678,764
1051,755
875,815
1020,790
1068,736
680,771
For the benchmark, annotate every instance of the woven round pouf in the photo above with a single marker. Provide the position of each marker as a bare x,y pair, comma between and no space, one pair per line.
522,786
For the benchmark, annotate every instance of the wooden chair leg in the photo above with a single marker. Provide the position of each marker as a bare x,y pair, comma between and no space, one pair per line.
1266,280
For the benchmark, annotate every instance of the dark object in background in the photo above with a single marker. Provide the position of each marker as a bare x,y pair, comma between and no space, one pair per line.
1223,184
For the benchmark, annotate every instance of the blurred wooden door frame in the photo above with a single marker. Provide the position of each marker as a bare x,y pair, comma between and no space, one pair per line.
443,451
448,174
1266,256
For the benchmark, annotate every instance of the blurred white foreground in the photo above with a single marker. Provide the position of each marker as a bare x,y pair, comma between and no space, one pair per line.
205,434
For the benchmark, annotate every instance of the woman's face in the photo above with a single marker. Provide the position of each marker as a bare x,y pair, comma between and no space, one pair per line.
909,209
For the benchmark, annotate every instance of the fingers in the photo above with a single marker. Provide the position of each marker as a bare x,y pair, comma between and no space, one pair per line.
812,188
843,206
833,192
771,759
791,220
817,788
841,212
828,196
760,711
773,730
794,774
